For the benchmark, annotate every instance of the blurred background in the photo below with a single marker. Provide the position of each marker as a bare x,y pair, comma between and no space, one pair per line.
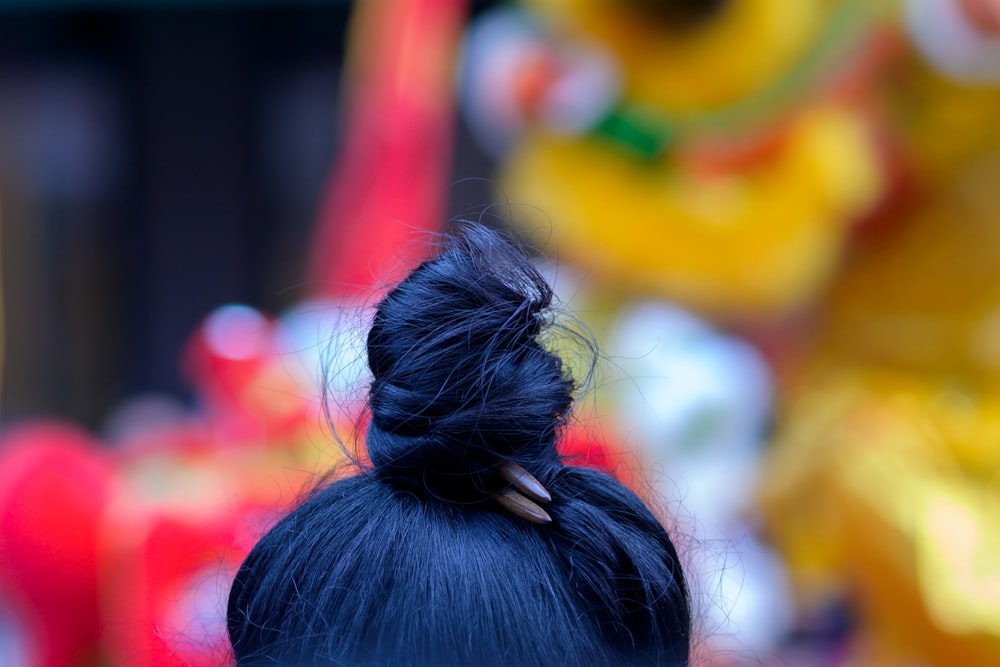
781,220
159,159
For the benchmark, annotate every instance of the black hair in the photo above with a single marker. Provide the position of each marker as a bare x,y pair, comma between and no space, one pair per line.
411,561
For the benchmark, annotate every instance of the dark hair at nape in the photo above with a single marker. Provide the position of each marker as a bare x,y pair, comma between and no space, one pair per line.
410,562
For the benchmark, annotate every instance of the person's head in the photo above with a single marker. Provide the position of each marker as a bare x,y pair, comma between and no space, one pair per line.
413,561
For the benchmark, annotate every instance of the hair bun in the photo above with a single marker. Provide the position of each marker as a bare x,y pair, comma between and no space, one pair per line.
460,381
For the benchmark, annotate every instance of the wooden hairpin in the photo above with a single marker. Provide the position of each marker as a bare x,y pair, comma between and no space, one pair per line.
522,499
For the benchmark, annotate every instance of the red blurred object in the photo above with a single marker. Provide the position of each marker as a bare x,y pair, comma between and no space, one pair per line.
226,353
389,182
578,448
247,394
534,79
728,155
167,575
54,486
984,14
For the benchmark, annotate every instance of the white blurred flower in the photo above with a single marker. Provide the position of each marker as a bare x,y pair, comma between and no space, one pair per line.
323,344
948,38
514,74
696,403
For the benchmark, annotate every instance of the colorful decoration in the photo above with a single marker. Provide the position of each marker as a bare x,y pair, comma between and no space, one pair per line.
880,493
705,153
820,176
881,485
693,159
123,556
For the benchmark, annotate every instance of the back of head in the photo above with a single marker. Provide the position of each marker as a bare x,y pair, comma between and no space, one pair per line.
412,561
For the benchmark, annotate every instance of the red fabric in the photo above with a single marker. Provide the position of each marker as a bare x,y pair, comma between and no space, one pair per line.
54,486
579,448
388,185
166,577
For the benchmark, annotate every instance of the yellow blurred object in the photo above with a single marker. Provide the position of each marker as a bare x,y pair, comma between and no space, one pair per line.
753,241
874,484
927,296
942,122
885,476
734,51
729,171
